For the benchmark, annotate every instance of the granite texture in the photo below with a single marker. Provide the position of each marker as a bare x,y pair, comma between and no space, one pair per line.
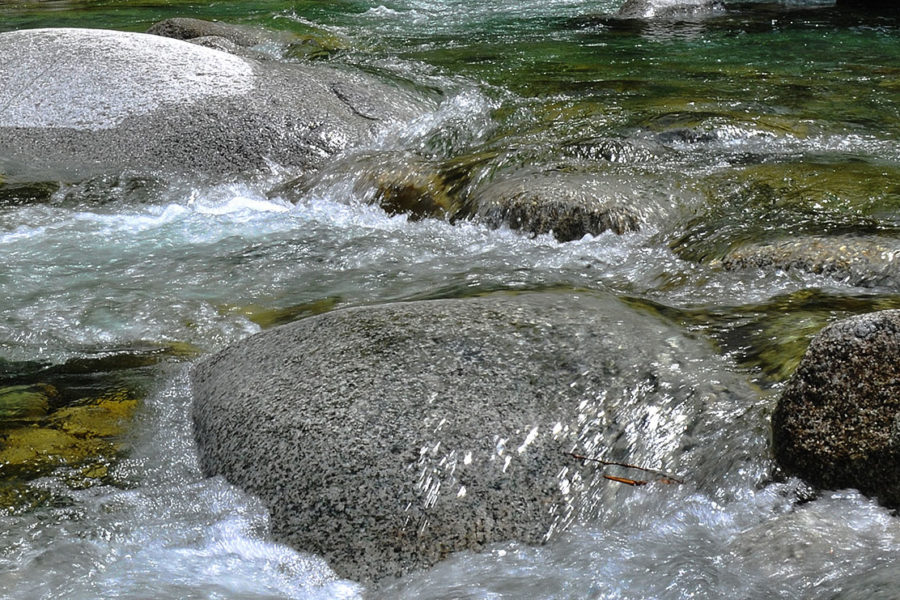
837,423
76,103
386,437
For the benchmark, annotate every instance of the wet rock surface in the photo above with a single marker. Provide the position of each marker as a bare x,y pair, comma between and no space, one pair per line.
864,262
837,423
78,102
645,9
184,28
385,438
568,205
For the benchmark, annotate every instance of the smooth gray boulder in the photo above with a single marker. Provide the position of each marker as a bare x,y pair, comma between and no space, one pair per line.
79,102
386,437
837,423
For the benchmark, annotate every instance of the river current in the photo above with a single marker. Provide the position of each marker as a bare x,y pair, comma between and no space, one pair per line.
745,124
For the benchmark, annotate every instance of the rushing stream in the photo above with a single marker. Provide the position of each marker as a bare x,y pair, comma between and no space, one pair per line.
746,124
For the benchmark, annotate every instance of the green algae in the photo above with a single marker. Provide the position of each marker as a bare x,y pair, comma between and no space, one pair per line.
770,338
25,402
267,317
768,202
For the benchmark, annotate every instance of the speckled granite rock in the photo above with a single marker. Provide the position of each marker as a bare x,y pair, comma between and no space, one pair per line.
76,103
837,423
384,438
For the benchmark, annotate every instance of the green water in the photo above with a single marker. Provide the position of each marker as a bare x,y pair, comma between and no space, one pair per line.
757,126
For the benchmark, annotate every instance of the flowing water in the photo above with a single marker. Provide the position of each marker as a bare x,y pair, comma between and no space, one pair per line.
746,124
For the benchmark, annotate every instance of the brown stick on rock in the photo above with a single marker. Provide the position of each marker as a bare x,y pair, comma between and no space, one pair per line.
661,477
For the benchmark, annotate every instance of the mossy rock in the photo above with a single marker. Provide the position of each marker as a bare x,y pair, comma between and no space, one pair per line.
857,188
36,449
316,45
400,183
408,185
81,436
767,203
267,317
105,417
771,337
25,402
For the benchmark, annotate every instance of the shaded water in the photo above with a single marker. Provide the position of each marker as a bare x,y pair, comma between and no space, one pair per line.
754,124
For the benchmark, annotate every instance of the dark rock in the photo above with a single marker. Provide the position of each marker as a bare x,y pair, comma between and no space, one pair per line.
856,261
384,438
836,424
886,6
106,101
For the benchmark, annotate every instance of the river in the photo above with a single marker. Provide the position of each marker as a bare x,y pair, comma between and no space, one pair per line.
748,124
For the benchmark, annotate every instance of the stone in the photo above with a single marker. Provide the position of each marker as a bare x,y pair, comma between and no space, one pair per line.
183,28
836,423
25,402
76,103
385,438
863,262
648,9
568,205
251,41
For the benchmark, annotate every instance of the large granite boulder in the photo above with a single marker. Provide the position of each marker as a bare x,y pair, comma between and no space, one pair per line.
78,102
386,437
837,423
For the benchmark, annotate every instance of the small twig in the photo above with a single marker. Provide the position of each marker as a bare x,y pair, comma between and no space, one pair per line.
625,480
661,476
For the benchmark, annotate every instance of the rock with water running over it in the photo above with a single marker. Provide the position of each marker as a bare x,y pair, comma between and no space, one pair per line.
837,423
569,205
80,102
667,9
385,438
857,261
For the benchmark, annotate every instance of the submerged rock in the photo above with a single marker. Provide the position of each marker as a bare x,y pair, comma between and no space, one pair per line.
80,102
385,438
570,205
856,261
25,402
837,423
